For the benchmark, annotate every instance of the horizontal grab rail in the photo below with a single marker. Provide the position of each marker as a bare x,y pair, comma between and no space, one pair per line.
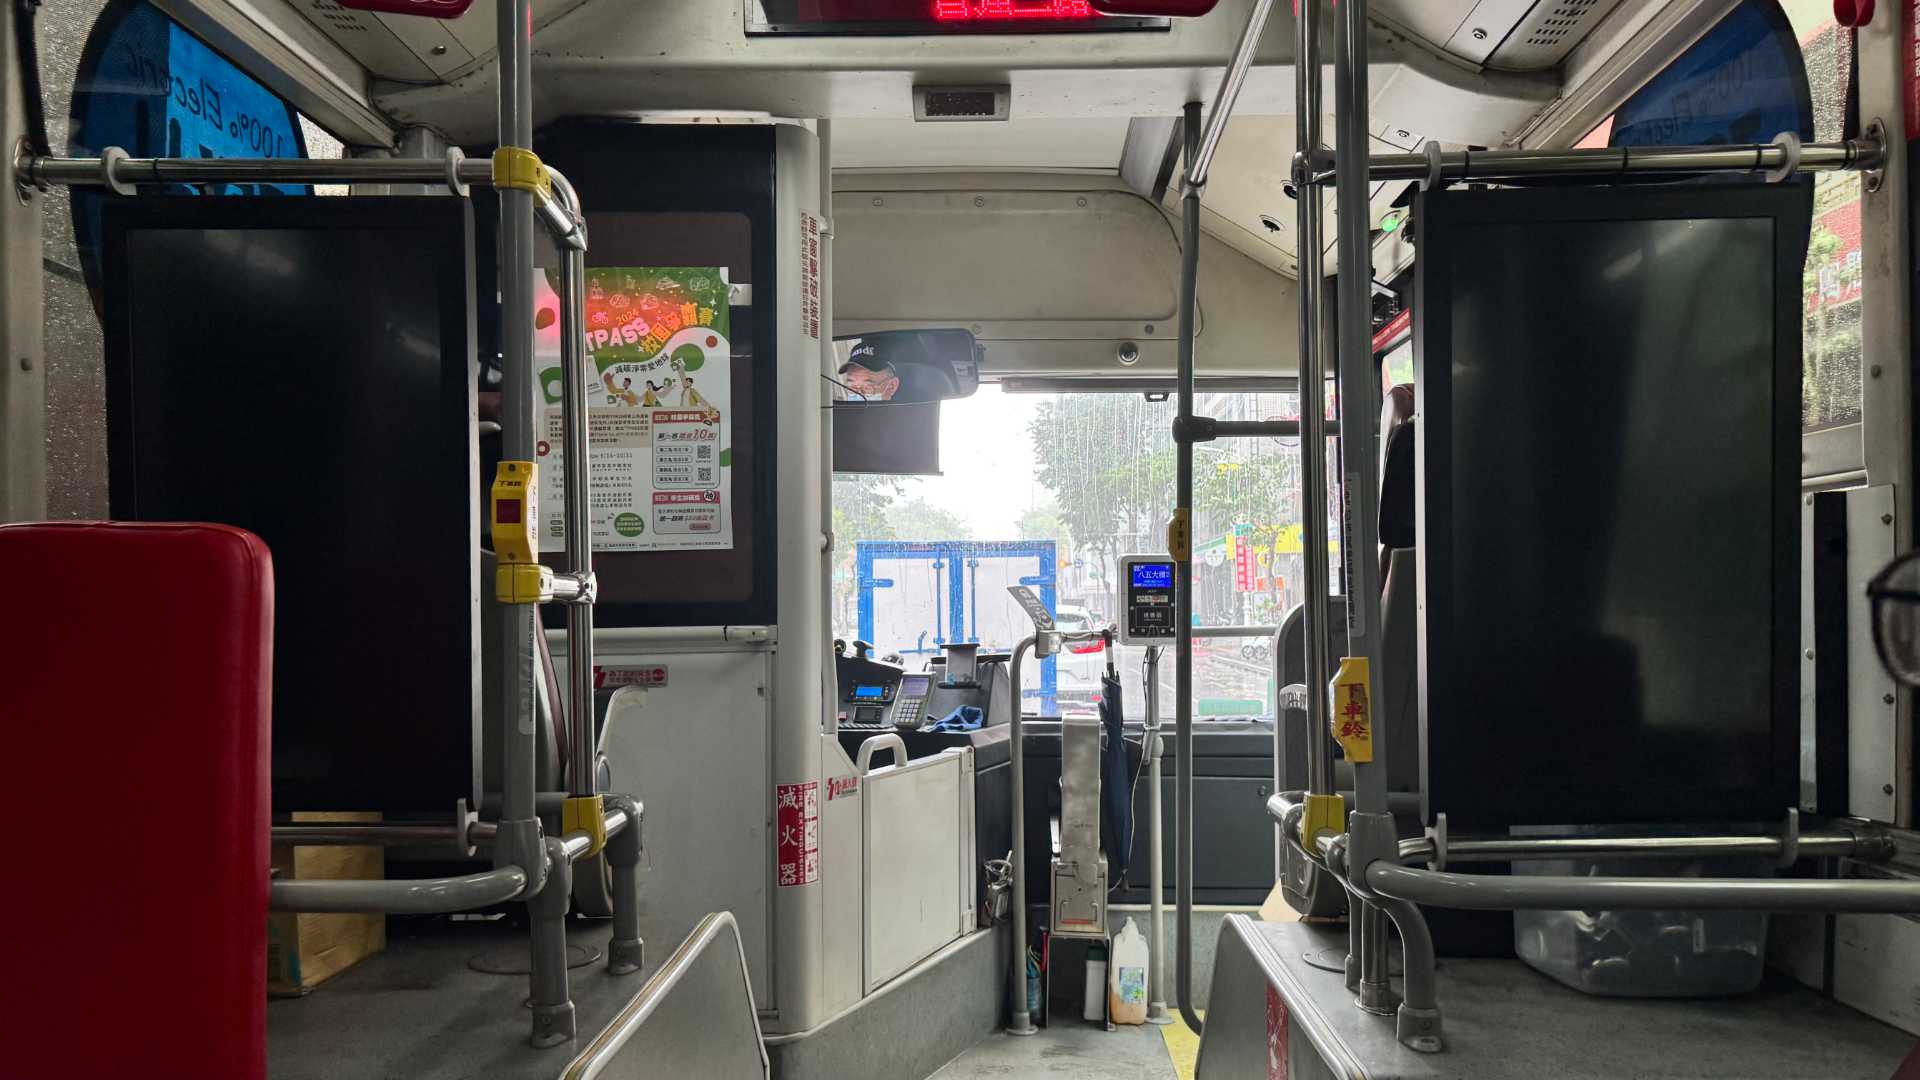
1490,892
1867,153
116,170
419,896
1811,845
416,896
644,636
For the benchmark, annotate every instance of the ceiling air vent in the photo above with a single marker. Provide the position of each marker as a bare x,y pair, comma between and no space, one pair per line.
1548,33
961,102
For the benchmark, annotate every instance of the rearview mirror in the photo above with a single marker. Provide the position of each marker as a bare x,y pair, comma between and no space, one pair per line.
906,367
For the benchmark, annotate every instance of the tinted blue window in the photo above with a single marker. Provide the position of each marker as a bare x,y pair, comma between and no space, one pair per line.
154,90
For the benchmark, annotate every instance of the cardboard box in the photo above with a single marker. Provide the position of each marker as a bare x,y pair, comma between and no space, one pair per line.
305,950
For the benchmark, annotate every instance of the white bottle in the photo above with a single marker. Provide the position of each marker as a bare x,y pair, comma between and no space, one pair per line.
1127,981
1096,977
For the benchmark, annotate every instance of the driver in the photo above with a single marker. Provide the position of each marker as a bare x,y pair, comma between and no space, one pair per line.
868,375
900,368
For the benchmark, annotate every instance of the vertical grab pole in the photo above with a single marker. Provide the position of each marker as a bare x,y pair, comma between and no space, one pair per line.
574,422
1359,405
1325,811
1371,834
519,840
1182,551
1157,965
1359,383
1313,405
1022,1019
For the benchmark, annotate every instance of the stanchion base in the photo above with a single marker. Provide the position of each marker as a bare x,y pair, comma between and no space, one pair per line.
1334,958
1158,1015
1419,1030
624,957
552,1025
1377,998
1013,1029
513,959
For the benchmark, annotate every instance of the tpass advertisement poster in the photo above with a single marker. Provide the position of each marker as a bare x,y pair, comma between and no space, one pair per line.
658,368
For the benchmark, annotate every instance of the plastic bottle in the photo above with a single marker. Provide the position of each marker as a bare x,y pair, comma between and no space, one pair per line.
1096,978
1127,983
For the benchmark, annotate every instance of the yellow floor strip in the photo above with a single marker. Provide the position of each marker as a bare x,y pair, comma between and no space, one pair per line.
1183,1046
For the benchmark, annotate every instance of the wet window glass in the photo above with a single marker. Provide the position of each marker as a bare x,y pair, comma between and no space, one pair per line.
1052,490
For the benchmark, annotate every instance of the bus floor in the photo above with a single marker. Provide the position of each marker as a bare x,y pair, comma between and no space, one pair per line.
420,1010
1078,1050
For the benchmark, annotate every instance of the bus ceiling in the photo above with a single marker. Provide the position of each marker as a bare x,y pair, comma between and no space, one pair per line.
1046,232
1461,71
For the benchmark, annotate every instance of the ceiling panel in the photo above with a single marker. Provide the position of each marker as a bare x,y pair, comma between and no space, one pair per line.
1249,170
1088,143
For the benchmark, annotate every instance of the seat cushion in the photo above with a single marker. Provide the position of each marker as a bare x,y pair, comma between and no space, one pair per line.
138,677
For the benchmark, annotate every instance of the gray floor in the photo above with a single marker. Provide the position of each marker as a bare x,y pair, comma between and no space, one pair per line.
418,1012
1070,1050
1505,1021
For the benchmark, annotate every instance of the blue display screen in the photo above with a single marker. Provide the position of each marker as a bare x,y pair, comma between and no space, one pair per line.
1154,575
861,693
149,87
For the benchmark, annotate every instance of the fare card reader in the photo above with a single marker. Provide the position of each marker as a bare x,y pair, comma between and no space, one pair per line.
1146,600
868,691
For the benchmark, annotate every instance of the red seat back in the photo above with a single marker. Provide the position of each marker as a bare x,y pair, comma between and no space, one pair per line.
136,676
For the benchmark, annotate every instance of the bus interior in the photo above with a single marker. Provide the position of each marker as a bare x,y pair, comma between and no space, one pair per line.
899,539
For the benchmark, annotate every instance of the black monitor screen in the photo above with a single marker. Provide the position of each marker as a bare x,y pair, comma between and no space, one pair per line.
303,368
1608,428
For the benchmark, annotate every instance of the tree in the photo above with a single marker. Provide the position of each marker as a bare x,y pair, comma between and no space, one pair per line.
917,519
1043,522
862,503
1108,460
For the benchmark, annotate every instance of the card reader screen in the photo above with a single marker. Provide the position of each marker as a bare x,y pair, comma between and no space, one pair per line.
916,685
1153,575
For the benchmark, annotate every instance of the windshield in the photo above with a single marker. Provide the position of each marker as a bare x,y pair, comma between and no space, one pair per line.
1050,491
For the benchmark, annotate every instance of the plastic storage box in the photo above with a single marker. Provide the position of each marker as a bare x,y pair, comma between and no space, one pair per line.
1646,953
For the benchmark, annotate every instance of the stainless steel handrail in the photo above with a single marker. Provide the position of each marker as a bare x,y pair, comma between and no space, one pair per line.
1235,631
615,1036
116,170
1490,892
583,774
1151,748
415,896
655,636
1231,80
1810,845
1861,154
1021,1019
412,896
1182,551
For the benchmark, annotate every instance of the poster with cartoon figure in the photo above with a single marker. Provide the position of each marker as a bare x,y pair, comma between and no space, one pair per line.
659,374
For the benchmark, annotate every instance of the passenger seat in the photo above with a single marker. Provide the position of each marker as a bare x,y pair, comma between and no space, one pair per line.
139,682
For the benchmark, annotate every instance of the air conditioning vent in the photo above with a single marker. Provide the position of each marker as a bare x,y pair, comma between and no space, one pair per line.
338,19
1563,20
1548,33
962,103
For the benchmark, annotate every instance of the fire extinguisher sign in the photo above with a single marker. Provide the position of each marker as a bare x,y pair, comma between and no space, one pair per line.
796,821
1910,66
